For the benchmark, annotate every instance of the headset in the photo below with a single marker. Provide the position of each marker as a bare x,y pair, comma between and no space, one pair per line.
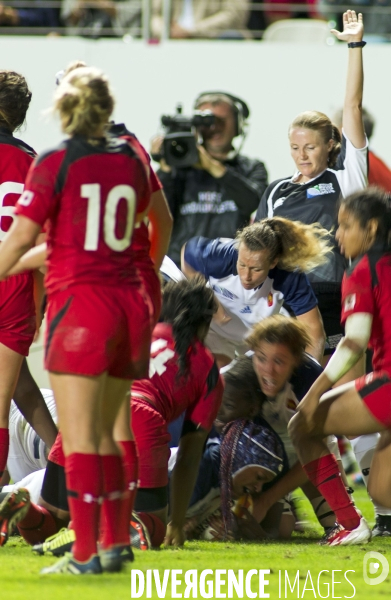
240,108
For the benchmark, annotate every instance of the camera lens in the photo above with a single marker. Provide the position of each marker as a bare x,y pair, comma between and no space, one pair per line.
179,149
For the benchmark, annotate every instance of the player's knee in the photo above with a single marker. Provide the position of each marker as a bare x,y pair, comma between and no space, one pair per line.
298,428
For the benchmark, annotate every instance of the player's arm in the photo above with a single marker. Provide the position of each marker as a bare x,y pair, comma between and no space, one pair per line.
198,421
160,227
314,325
35,258
293,479
182,482
349,350
185,267
18,241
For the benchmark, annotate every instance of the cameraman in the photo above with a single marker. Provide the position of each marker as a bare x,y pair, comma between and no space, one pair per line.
215,196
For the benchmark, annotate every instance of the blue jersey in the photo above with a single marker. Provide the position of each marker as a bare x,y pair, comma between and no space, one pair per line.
216,259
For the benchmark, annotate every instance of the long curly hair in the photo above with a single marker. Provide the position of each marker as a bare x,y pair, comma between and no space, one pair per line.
189,307
293,244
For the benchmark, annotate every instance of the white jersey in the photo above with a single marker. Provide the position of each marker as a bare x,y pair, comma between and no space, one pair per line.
216,259
169,271
278,412
27,452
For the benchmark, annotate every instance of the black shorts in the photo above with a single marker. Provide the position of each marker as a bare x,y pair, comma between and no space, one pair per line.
329,304
54,489
151,499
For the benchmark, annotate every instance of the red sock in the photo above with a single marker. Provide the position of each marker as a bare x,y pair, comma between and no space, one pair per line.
325,475
37,525
4,445
85,486
156,528
130,466
113,485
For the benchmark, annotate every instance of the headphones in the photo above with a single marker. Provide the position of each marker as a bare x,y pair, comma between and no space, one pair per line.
240,109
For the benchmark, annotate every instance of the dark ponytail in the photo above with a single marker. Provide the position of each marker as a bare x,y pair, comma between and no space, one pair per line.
187,306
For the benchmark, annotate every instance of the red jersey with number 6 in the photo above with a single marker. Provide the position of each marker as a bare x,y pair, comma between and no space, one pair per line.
366,288
15,160
91,196
198,393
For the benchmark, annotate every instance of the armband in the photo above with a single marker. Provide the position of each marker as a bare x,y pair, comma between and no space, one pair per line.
342,360
357,329
357,44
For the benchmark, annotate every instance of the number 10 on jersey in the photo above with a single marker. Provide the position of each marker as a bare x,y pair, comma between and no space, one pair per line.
92,192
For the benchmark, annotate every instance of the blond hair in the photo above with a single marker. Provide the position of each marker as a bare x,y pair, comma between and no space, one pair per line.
318,121
279,329
295,245
84,101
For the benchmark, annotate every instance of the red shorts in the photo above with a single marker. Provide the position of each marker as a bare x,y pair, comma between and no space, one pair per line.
152,288
56,454
17,313
375,391
95,329
152,437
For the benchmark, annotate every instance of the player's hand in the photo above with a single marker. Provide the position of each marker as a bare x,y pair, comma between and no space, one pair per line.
353,27
261,506
213,166
248,528
175,536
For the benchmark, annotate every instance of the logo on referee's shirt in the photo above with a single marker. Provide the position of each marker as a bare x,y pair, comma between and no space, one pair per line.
320,190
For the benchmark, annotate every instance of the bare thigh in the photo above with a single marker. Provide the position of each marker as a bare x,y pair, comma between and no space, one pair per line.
344,414
10,363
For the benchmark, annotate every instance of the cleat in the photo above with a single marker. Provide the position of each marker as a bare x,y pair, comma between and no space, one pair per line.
57,544
339,536
12,510
382,526
113,558
139,536
70,565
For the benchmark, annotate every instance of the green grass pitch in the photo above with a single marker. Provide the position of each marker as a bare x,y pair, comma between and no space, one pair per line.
20,578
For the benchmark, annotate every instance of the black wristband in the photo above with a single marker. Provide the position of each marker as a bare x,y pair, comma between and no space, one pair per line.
357,44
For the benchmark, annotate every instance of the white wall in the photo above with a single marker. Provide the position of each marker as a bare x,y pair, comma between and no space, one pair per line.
277,81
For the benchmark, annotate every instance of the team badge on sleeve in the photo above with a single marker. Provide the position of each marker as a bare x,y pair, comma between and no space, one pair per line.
270,299
26,198
350,302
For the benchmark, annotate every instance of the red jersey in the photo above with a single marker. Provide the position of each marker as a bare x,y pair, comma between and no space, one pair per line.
198,394
15,160
140,241
90,195
366,288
